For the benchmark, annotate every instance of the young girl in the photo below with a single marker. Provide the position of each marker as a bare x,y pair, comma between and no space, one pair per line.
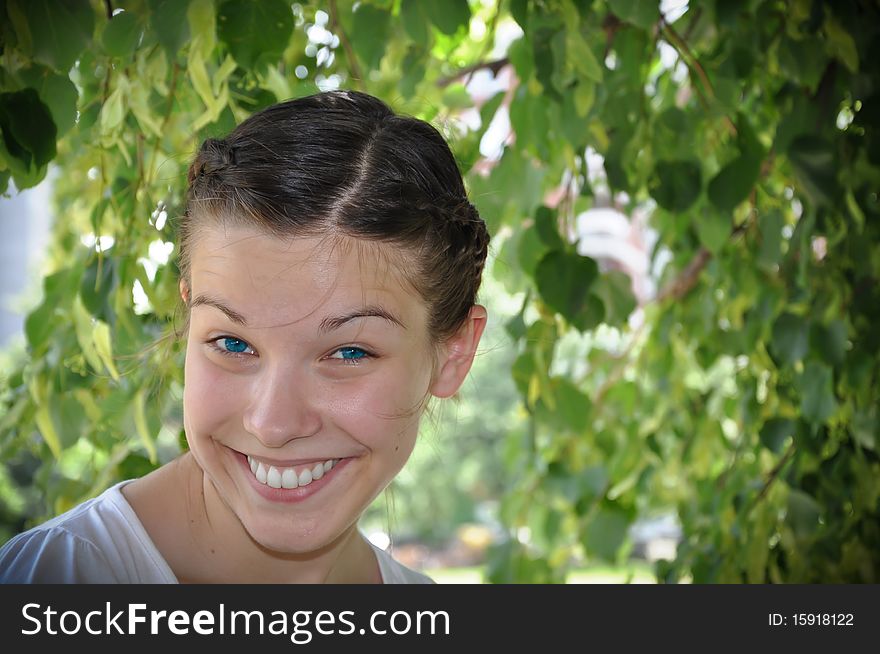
329,262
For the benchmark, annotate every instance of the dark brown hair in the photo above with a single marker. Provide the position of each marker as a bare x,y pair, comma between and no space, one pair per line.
344,163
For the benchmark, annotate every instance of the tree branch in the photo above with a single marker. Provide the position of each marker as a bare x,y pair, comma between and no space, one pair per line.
687,279
774,474
494,65
354,68
695,67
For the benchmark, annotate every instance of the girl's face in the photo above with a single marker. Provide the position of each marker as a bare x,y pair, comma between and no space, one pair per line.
306,368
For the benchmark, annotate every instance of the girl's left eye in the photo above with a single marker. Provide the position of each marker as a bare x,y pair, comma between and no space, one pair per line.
350,354
231,346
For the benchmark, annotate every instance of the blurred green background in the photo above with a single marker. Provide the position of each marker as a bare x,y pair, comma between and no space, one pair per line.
680,379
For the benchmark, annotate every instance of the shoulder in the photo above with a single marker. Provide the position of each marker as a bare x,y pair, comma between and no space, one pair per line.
99,541
53,553
394,572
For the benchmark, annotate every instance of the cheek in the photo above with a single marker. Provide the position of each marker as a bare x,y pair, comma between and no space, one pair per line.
381,410
209,395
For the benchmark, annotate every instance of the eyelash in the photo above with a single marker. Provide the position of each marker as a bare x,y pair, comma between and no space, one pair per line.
213,344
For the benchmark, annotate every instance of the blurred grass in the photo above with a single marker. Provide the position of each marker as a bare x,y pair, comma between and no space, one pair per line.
636,572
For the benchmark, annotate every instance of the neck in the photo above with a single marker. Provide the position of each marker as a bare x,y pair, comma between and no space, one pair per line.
347,559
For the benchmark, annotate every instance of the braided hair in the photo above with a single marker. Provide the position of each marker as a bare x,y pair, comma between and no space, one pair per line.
343,162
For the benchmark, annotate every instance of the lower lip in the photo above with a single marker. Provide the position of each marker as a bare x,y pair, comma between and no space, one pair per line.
298,494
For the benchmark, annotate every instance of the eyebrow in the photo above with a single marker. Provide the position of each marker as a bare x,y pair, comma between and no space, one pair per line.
207,301
328,324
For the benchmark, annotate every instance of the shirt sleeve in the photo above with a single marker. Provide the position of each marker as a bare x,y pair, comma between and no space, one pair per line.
53,556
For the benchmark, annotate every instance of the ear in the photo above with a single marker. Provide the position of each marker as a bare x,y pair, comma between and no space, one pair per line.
184,291
458,354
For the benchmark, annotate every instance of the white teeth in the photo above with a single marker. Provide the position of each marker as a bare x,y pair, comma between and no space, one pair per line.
273,479
287,477
305,477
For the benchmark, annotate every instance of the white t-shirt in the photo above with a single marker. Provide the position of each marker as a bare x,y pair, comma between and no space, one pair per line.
102,541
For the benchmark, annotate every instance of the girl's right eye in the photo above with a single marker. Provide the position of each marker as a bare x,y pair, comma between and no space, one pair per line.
231,346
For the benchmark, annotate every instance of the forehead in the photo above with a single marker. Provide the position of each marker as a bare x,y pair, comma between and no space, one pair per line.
275,281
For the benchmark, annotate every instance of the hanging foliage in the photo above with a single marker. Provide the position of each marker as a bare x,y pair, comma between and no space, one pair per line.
742,394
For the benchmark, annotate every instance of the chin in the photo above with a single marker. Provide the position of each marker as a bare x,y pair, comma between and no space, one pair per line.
295,539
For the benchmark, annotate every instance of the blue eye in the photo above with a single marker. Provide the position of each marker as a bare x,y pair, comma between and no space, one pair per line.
350,354
235,345
230,345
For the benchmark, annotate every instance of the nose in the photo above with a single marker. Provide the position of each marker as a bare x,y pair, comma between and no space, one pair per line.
281,409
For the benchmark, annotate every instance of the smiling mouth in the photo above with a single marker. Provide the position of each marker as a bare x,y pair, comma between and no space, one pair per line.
289,477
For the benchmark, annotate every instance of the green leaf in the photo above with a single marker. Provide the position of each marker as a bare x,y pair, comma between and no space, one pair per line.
122,34
815,164
113,110
448,15
519,10
713,228
370,29
415,20
530,250
545,224
581,57
48,430
803,60
674,134
413,70
790,338
564,281
572,404
866,428
614,288
258,30
523,370
96,284
39,325
170,24
830,341
57,92
456,96
520,55
489,109
541,38
584,96
83,324
516,327
774,432
758,548
803,513
148,438
770,224
817,393
676,184
840,44
28,129
202,18
104,347
604,532
642,13
734,182
59,31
